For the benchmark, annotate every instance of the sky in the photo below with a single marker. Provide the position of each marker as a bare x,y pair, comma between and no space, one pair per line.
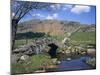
67,12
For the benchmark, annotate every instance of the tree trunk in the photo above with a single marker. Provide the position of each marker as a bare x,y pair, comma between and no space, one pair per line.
14,30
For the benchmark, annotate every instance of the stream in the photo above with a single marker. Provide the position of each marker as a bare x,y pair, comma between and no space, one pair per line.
74,64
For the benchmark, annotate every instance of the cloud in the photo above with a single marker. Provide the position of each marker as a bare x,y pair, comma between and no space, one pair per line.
66,7
80,9
53,16
38,15
49,17
55,6
59,6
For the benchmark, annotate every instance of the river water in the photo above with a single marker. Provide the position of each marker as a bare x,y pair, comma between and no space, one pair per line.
74,64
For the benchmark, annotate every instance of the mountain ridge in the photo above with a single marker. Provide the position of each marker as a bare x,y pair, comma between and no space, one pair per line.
54,27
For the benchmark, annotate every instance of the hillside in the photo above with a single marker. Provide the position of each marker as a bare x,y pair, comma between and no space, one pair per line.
53,27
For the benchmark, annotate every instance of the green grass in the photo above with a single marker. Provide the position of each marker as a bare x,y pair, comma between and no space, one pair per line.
84,37
36,62
40,61
18,43
58,37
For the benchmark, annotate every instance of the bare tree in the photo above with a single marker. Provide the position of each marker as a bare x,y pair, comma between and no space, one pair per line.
21,8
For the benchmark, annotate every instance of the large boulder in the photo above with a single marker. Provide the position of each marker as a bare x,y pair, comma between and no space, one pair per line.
24,57
91,52
23,49
30,50
67,51
15,58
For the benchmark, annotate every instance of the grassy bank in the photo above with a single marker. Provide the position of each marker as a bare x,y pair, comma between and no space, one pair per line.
36,62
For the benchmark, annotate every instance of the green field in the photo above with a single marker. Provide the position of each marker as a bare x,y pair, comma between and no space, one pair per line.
84,37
